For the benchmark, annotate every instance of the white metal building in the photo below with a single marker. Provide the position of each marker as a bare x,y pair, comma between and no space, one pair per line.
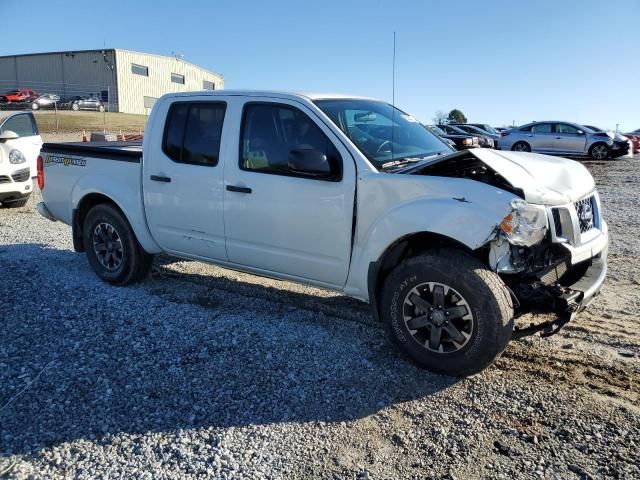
125,80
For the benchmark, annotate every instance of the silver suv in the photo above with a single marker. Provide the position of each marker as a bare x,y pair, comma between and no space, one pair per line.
561,138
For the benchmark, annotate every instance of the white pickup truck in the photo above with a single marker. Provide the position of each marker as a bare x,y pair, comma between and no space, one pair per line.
350,194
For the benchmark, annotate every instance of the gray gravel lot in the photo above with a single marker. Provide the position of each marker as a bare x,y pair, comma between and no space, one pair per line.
204,372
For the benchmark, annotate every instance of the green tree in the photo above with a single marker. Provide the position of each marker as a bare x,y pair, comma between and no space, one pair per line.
456,116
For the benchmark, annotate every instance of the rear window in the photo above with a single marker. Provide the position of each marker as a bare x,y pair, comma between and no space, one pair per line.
193,132
23,125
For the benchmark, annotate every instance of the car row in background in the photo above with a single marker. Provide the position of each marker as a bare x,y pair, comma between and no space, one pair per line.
459,141
485,139
22,99
564,138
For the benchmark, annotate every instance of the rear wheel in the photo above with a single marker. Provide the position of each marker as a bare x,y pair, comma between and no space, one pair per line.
34,106
75,107
112,248
101,108
521,147
599,151
447,312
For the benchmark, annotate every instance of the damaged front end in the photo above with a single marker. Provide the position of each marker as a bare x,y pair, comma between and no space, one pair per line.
554,274
552,258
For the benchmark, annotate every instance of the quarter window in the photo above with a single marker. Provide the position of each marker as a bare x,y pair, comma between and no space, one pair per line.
139,69
272,132
177,78
193,132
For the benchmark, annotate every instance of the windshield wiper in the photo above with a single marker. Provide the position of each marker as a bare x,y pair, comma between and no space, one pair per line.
406,160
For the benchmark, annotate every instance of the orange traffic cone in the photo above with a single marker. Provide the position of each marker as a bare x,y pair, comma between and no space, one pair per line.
84,135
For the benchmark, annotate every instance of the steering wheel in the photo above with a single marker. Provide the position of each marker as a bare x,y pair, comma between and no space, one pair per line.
386,143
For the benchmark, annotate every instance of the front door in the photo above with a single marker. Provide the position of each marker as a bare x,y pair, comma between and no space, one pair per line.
182,180
29,141
568,139
279,219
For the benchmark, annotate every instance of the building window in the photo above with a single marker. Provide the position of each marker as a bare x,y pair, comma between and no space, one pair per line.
177,78
140,70
207,85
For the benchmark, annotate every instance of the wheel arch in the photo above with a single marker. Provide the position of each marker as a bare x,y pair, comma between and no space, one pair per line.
404,247
90,200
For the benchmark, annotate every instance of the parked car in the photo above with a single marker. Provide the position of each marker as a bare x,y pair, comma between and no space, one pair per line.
20,95
562,138
483,126
635,141
447,247
15,175
621,143
485,141
83,103
27,140
45,100
460,142
474,130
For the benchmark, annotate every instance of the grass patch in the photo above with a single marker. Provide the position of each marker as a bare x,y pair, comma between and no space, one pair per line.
68,122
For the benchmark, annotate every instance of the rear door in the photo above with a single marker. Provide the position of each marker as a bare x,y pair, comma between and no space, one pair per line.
183,178
29,141
540,137
568,139
278,220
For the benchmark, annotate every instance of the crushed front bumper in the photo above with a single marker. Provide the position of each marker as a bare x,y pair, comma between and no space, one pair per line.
571,299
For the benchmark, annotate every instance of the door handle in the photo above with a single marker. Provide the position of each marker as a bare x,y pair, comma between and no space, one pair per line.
233,188
160,178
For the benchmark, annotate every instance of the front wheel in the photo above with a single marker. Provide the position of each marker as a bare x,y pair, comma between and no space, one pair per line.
447,312
112,248
599,151
521,147
101,108
34,106
75,107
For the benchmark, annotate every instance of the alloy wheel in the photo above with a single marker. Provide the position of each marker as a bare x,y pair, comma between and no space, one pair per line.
438,317
599,152
107,245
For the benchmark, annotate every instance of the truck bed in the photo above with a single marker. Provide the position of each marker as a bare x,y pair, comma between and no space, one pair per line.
121,151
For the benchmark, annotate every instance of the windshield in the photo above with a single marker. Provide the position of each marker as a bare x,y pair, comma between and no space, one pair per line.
487,128
383,134
436,130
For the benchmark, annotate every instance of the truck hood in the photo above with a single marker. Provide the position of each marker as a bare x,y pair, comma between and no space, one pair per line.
544,180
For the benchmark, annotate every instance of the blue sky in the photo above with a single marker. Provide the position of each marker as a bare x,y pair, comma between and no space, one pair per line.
497,61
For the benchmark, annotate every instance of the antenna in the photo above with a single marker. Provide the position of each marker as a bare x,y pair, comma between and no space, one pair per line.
393,93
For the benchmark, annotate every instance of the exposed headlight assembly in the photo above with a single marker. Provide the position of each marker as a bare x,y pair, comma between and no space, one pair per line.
15,156
526,225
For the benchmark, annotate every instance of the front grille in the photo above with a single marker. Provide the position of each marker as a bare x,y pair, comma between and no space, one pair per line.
20,175
586,211
4,179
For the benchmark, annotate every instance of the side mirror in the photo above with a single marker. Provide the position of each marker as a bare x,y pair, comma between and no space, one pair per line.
580,132
309,162
8,135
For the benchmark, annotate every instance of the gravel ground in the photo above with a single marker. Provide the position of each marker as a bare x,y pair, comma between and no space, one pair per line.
205,372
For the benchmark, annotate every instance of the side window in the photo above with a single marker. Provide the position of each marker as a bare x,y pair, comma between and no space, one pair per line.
22,124
193,132
541,128
271,133
527,128
564,128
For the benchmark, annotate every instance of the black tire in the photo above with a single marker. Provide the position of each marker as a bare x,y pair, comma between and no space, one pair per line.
599,151
126,262
15,203
487,330
521,147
